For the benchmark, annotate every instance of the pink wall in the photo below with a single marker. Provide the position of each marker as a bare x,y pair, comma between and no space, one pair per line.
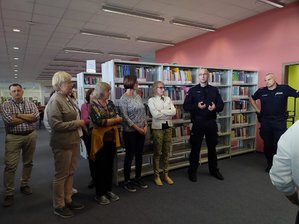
264,43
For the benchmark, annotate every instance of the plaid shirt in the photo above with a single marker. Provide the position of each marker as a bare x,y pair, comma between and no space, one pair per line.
12,107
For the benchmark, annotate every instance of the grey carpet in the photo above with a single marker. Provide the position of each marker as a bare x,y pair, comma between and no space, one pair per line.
245,196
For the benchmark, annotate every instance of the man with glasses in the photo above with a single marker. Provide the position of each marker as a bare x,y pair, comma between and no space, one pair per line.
203,101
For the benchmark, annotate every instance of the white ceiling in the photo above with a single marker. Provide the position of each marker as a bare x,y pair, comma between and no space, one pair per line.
49,26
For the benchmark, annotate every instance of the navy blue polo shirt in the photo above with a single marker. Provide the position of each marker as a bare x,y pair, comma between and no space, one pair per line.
274,102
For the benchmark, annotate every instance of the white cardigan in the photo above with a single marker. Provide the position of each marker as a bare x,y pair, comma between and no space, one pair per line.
161,110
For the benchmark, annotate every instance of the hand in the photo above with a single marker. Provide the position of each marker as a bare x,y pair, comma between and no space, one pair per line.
145,129
81,123
141,131
259,117
118,120
201,105
212,106
293,198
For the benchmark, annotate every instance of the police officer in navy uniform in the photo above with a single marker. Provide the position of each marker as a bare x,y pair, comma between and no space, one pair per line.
272,113
203,101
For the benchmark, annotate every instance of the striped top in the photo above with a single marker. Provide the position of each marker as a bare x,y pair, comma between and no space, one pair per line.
133,111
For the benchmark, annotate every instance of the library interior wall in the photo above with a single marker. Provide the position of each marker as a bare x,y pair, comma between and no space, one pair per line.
293,81
264,43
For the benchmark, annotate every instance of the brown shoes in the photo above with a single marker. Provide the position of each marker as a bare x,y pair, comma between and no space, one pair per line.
8,201
26,190
168,180
158,181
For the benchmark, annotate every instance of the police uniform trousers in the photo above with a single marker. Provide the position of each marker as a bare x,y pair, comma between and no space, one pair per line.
270,131
208,128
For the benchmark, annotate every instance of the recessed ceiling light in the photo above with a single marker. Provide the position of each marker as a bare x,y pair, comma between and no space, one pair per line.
16,74
16,66
16,70
16,77
16,48
16,30
16,58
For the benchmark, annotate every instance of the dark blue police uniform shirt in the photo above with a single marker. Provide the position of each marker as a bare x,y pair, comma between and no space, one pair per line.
207,95
274,102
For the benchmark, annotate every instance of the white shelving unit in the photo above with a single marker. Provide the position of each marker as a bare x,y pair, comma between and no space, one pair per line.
86,81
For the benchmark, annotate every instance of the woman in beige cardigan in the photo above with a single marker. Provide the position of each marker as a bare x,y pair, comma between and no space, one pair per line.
66,129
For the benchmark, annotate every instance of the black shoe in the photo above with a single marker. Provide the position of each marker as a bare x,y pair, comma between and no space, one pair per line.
64,212
217,175
268,168
26,190
138,182
129,186
75,206
192,176
8,201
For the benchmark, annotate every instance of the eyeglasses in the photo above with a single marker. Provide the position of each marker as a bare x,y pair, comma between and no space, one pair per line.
161,87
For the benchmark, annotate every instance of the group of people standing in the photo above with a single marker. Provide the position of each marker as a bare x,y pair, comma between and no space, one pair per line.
97,123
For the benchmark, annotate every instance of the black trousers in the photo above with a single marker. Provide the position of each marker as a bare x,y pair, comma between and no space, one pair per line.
103,168
134,143
270,132
201,128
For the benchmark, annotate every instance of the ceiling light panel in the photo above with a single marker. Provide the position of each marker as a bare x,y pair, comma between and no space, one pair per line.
154,41
134,13
105,34
120,54
274,3
82,51
192,24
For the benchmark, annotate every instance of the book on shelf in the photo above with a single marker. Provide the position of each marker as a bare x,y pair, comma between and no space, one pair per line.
240,119
91,80
238,77
176,75
239,132
175,93
215,77
143,73
240,91
239,105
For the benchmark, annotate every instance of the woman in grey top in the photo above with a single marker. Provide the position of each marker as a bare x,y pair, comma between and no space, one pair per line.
134,131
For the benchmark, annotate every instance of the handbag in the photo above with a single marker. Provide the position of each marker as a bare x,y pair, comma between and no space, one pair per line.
83,151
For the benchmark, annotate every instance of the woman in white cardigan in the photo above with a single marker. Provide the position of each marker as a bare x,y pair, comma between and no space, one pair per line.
162,110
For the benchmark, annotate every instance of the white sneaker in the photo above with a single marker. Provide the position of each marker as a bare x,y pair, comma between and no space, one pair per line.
75,191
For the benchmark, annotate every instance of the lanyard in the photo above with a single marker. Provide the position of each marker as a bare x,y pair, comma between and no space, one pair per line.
18,106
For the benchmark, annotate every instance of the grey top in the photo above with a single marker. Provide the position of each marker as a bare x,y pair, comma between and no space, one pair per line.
133,111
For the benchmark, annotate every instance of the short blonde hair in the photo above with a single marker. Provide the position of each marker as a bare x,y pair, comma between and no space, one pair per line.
59,78
155,86
100,89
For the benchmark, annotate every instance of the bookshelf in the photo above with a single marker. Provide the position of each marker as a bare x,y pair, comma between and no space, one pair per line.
243,128
236,123
86,81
